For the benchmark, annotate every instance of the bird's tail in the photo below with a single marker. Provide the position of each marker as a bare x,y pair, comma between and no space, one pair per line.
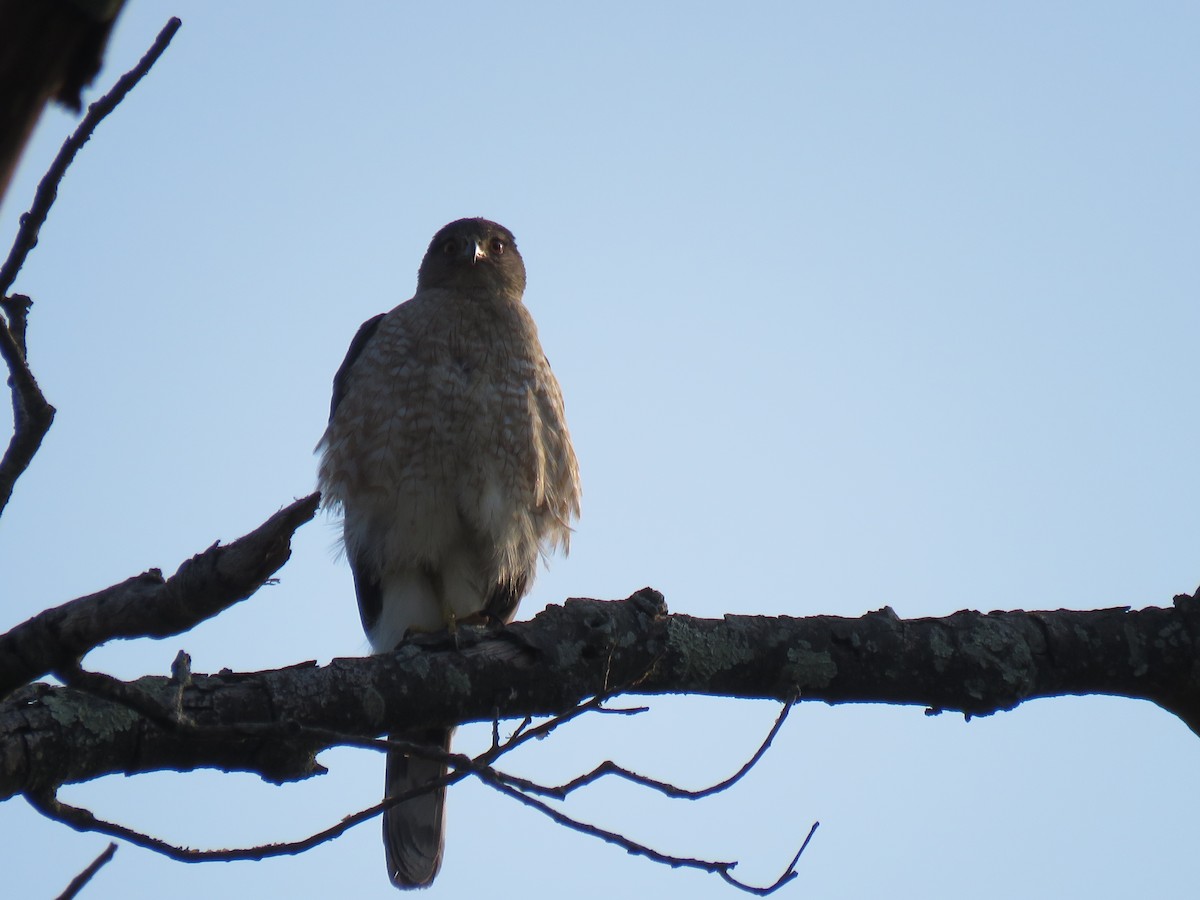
414,831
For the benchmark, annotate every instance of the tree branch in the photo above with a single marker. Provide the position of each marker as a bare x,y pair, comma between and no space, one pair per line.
482,767
608,767
970,662
149,606
715,867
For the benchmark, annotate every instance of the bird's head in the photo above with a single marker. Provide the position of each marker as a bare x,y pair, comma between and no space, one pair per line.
473,254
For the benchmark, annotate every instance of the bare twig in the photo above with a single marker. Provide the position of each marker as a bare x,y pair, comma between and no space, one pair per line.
622,710
525,723
81,819
460,767
608,767
716,867
525,732
788,874
32,414
86,875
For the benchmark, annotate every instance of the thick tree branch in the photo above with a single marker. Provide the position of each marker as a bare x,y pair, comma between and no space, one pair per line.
969,662
149,606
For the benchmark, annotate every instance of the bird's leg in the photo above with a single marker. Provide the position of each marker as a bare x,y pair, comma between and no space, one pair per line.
452,628
482,618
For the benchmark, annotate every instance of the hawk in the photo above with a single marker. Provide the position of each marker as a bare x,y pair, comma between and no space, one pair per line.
447,453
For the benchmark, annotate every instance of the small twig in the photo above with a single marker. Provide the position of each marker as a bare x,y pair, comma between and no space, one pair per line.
608,767
519,789
622,710
788,874
459,767
86,875
524,733
715,867
525,723
82,819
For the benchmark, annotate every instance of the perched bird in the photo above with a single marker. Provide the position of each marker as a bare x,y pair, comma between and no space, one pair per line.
448,454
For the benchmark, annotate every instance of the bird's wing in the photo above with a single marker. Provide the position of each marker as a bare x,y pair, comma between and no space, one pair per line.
363,335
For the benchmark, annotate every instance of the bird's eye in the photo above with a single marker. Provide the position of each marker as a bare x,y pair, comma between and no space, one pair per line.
497,246
450,247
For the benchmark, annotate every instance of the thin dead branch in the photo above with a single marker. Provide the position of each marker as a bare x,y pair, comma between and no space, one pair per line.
460,767
716,867
84,820
608,767
78,882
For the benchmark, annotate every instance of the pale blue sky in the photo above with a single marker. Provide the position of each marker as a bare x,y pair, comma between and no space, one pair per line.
852,304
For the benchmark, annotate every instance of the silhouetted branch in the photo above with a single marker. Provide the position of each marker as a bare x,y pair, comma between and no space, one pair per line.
149,606
482,767
716,867
970,662
608,767
86,875
47,803
521,788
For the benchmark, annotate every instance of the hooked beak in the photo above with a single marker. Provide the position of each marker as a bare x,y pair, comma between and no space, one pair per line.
475,251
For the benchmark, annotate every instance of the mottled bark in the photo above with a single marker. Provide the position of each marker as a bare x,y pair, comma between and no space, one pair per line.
274,722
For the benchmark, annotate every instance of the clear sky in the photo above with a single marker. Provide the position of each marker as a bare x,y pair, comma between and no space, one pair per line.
852,304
